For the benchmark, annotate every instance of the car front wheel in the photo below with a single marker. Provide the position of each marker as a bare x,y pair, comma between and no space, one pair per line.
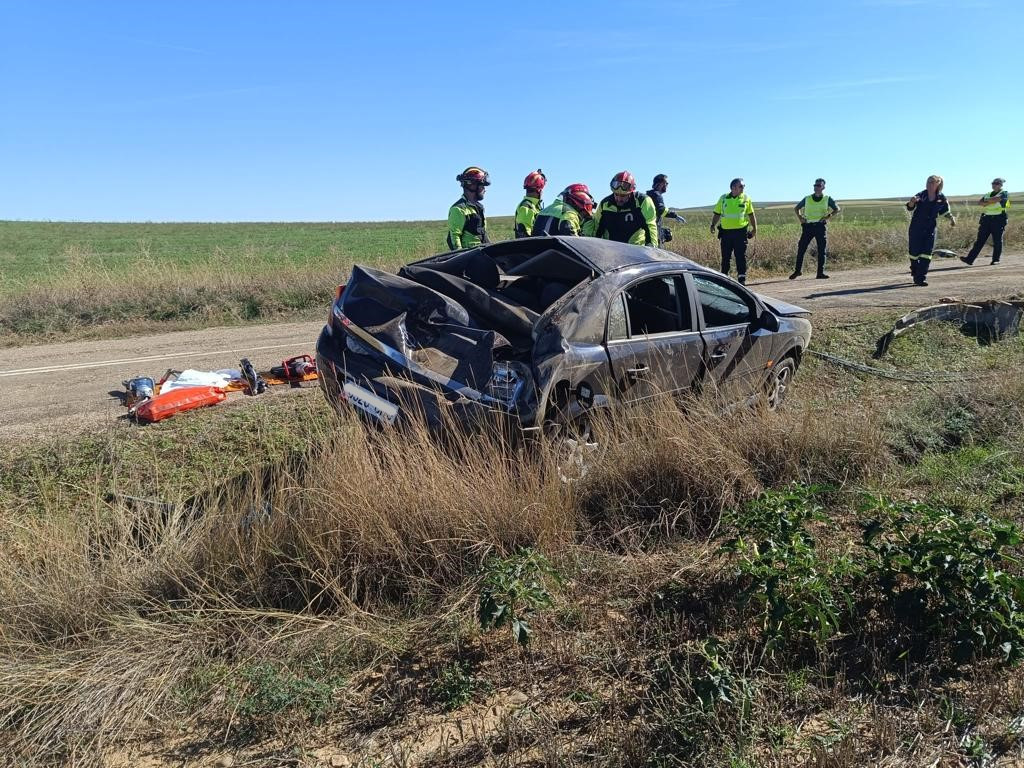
779,381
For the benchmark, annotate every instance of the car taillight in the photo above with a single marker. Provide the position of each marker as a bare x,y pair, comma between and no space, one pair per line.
338,293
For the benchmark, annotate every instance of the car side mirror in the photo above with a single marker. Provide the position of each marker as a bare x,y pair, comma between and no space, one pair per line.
768,320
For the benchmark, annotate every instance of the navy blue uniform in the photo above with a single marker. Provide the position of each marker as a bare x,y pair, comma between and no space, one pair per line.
924,222
921,235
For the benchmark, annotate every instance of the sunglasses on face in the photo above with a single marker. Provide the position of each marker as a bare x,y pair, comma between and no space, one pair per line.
624,186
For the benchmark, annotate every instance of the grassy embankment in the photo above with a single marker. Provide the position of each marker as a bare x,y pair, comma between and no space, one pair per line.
337,601
67,280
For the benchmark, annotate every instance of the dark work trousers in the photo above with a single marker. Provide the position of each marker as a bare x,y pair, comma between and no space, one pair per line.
817,231
989,225
734,241
920,247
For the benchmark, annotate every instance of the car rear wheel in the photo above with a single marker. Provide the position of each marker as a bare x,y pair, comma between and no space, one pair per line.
779,381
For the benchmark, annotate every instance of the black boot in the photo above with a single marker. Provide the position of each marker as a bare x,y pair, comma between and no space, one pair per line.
922,271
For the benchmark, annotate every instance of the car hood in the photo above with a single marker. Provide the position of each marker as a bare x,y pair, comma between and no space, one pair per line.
783,308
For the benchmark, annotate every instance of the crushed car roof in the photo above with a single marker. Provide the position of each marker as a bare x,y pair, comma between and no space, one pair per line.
609,255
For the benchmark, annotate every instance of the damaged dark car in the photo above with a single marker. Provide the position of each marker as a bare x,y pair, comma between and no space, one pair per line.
544,332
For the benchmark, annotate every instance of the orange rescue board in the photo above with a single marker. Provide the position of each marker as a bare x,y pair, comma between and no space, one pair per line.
175,401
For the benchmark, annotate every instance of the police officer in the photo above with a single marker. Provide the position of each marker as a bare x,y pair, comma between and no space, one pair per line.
467,226
735,211
570,214
814,211
992,222
626,215
926,206
658,188
528,209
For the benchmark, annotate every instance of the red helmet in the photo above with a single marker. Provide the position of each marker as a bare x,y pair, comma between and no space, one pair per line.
579,197
474,175
623,181
535,180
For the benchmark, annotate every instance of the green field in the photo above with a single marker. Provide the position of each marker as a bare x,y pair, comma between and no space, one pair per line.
66,280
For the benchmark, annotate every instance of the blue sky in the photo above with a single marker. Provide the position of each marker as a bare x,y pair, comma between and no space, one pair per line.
338,111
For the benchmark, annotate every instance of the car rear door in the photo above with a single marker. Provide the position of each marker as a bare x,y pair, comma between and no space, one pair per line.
737,348
652,339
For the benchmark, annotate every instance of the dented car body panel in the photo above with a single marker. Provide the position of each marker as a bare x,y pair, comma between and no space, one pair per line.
542,328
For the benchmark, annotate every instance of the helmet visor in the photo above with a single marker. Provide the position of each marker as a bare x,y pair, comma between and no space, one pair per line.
621,186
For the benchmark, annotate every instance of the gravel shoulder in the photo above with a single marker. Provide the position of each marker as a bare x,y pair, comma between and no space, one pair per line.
56,388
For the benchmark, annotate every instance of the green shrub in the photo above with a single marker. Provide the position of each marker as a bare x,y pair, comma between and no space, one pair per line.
513,589
269,691
455,685
946,575
799,595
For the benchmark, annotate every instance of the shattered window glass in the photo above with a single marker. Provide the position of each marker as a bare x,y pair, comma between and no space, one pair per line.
722,305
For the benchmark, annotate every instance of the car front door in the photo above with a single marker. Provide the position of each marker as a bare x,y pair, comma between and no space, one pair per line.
652,340
737,349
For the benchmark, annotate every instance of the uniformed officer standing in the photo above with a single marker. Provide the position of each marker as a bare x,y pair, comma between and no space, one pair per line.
467,226
814,211
735,211
626,215
528,209
570,214
992,222
658,188
927,205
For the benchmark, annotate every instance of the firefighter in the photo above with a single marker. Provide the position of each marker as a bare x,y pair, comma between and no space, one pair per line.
570,214
626,215
467,226
926,207
814,211
735,211
658,188
992,222
528,209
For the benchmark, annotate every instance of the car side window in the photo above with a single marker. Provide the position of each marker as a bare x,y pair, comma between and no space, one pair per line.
617,319
722,305
653,306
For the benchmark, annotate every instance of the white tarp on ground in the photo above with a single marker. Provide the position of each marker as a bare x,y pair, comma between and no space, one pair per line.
193,378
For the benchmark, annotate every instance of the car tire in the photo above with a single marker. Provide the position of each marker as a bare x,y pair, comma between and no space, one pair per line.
779,381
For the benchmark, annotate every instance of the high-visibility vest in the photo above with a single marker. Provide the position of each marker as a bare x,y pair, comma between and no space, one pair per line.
734,211
996,207
815,210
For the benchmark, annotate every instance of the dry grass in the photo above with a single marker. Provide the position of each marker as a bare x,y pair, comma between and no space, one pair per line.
349,572
102,614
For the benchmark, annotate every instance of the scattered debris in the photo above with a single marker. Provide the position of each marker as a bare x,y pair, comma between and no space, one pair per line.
988,321
179,391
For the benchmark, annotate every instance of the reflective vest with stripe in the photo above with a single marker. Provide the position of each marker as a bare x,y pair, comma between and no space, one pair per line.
734,211
996,206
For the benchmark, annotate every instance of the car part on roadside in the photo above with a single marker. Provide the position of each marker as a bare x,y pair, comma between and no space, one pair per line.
988,321
138,390
255,384
167,404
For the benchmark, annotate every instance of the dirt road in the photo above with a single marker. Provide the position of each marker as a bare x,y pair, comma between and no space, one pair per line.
60,387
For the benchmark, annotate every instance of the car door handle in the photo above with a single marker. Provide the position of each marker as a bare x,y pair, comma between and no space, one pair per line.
719,354
637,372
